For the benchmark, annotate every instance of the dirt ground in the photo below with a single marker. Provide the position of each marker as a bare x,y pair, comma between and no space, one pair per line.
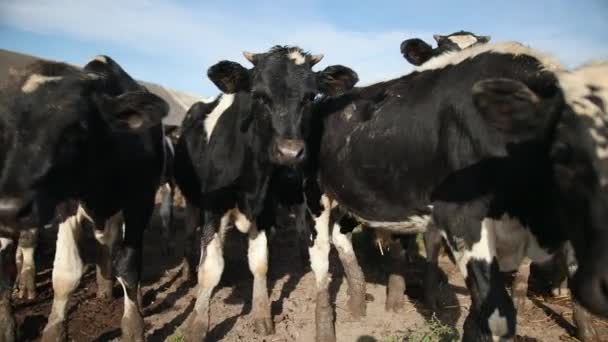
167,300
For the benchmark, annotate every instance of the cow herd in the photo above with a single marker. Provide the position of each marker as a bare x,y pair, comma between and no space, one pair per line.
494,149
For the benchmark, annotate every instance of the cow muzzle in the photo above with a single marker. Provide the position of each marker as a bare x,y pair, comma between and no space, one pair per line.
289,151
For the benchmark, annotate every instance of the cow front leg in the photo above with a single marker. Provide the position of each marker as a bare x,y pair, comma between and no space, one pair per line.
258,264
26,266
210,269
106,238
192,220
7,277
492,314
128,265
432,245
67,271
354,274
319,263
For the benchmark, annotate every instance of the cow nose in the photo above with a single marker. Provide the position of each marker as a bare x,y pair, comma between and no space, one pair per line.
291,150
10,207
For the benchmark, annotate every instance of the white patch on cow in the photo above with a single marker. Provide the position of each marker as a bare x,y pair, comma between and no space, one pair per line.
27,253
225,102
297,57
512,48
36,80
130,306
100,58
212,265
319,252
67,266
463,40
4,243
341,241
498,326
579,84
242,223
257,253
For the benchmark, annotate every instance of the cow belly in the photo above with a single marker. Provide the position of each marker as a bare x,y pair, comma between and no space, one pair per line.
514,243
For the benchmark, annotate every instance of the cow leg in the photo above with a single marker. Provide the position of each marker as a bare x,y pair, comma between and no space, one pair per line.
432,245
7,277
395,299
106,239
582,318
26,266
67,271
128,265
519,289
319,262
166,216
492,315
192,220
258,264
210,270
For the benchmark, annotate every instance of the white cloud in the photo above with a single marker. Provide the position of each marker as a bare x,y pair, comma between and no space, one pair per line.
203,34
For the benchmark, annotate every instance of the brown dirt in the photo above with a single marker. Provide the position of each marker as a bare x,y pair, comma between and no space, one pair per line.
167,300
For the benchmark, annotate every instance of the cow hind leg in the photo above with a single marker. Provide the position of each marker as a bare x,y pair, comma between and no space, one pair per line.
432,245
26,266
67,271
7,277
319,263
258,264
166,216
395,299
211,267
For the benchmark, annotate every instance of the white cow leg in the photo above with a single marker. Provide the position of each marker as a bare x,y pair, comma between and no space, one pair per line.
106,239
67,271
26,279
7,277
354,274
258,264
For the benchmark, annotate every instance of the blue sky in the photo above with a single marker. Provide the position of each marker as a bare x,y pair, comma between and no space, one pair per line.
174,42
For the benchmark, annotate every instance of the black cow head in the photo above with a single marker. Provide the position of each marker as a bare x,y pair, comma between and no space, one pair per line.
283,86
576,136
418,52
54,122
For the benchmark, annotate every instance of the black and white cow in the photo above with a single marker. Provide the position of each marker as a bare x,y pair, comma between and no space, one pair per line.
81,145
230,152
508,148
418,52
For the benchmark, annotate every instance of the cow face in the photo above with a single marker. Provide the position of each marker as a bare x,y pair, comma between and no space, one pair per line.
282,86
417,51
577,142
54,121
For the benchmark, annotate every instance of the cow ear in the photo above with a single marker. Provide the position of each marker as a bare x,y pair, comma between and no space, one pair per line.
133,111
416,51
510,107
337,79
229,77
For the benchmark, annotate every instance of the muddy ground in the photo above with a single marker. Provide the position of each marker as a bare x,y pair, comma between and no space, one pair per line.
167,299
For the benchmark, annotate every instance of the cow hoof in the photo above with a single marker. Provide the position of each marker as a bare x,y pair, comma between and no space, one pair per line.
55,333
357,305
187,274
264,326
104,289
587,333
195,328
132,327
26,284
394,302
